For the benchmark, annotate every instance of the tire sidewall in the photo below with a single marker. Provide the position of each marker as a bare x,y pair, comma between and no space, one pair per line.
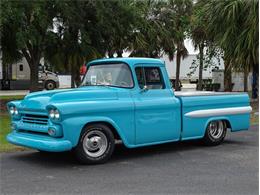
84,157
212,141
46,85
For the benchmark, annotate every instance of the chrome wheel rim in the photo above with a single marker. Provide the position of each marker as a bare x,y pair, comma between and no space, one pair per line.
216,129
95,143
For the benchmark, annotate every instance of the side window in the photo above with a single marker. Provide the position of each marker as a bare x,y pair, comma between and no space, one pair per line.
20,67
149,76
153,78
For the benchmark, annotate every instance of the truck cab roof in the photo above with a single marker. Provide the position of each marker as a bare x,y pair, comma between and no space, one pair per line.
130,61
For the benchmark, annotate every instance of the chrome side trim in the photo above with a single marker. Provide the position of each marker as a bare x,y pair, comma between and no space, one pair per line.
219,112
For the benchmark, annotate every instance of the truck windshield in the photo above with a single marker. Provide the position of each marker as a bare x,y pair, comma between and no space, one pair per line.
115,75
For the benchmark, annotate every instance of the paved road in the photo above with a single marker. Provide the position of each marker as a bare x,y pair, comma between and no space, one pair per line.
183,168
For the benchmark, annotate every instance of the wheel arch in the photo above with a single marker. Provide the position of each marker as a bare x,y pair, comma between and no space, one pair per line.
224,119
114,128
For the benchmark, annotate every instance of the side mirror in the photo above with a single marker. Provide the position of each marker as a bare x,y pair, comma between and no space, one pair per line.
145,88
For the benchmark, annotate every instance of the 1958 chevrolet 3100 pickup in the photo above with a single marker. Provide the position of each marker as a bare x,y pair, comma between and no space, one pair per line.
128,99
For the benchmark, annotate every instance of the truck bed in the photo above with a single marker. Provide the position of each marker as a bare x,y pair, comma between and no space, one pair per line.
200,107
203,93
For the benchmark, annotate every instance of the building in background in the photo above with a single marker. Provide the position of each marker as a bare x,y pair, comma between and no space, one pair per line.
17,75
213,74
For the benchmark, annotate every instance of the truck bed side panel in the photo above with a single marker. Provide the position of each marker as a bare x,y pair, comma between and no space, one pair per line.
198,111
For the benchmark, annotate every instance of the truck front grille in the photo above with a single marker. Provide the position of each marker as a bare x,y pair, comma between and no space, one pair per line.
35,119
33,132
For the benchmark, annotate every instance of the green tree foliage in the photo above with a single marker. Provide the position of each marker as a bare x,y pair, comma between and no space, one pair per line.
25,26
164,28
151,34
116,23
233,26
180,12
90,29
70,33
199,36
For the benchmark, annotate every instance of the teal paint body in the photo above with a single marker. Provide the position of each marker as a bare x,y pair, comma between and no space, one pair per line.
140,118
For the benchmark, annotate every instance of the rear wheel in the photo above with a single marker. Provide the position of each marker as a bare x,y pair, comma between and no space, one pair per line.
96,144
215,133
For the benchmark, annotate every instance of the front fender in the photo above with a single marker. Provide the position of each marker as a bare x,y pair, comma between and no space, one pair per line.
15,103
73,127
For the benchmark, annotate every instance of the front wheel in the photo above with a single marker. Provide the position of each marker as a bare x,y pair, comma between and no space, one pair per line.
215,133
96,144
50,85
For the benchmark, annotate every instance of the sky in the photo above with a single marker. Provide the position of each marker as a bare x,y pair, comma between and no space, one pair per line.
188,44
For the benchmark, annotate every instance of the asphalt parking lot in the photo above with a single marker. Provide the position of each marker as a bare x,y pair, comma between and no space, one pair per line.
183,168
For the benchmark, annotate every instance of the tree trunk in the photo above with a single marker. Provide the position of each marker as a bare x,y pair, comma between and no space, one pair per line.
201,48
178,64
33,59
72,76
119,53
255,87
77,77
34,71
227,76
110,54
245,79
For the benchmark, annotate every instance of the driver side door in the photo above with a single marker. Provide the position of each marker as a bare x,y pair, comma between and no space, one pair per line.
157,111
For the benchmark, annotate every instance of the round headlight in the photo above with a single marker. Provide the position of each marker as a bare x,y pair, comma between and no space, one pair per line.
56,114
51,114
11,110
16,111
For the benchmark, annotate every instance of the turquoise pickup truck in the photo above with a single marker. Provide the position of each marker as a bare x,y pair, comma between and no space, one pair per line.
128,99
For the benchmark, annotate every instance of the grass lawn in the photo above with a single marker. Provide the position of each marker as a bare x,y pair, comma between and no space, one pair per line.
10,98
5,122
4,130
254,118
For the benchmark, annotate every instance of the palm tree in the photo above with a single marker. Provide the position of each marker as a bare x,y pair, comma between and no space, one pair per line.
181,12
151,35
199,37
233,26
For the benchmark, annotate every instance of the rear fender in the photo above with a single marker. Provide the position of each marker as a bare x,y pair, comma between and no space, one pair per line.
217,119
237,122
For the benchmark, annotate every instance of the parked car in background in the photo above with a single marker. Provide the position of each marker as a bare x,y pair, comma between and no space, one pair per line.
128,99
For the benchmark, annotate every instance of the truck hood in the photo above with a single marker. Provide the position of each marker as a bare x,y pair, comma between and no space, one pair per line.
39,100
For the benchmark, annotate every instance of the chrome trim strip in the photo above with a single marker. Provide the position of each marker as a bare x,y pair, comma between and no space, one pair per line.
219,112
